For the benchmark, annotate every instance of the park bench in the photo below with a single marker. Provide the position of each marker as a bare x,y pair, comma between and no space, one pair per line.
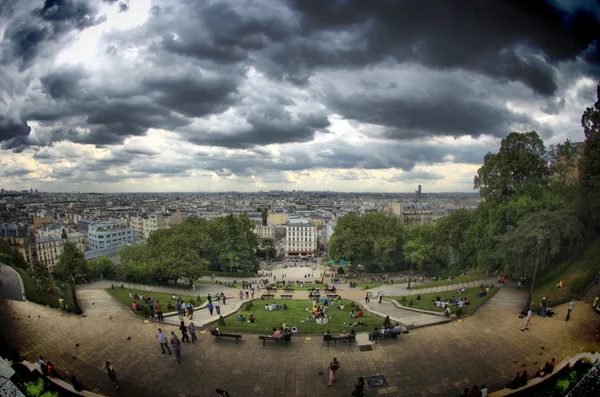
334,296
314,295
263,296
218,335
390,335
289,289
332,290
339,338
318,282
285,339
286,296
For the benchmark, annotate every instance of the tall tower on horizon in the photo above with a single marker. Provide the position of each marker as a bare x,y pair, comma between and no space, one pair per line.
419,191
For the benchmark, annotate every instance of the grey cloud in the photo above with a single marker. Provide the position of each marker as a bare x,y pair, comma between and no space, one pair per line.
11,128
415,176
554,106
63,83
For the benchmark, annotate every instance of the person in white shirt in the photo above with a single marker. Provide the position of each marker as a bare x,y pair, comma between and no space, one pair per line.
484,391
162,339
267,307
438,303
461,303
325,320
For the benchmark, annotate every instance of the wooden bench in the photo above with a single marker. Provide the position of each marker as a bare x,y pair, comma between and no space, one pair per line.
218,335
334,296
289,289
285,339
339,338
313,295
391,335
285,296
263,296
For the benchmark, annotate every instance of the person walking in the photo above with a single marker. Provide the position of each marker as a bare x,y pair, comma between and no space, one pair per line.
180,309
184,333
247,295
192,329
176,343
209,298
210,307
110,371
151,306
333,367
527,320
191,310
359,388
224,297
162,339
218,307
159,313
221,393
367,298
571,304
241,295
380,296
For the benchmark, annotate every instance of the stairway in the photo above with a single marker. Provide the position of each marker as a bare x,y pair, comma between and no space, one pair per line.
590,294
97,300
508,297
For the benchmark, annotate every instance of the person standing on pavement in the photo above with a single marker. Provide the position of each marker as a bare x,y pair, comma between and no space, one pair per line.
151,306
176,343
380,296
191,310
184,333
241,295
359,388
527,320
333,367
210,307
192,329
571,304
367,298
209,298
110,371
224,297
218,307
159,313
162,339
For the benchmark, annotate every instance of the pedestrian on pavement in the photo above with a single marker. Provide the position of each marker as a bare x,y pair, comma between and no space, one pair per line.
252,293
359,388
110,371
159,313
162,339
176,343
193,286
527,320
184,333
192,329
191,310
380,296
241,295
218,307
209,298
224,297
333,367
210,307
247,294
221,393
571,304
151,306
77,386
367,298
180,306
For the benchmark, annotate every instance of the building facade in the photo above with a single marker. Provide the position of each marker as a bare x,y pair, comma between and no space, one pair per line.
301,239
49,248
109,234
265,231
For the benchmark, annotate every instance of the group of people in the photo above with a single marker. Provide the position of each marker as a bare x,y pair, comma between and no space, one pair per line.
175,341
153,307
250,319
475,391
385,330
275,306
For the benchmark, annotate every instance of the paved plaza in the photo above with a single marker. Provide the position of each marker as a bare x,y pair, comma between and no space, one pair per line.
486,348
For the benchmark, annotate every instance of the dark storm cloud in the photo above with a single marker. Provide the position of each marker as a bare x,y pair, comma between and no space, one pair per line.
63,83
511,40
195,96
266,125
11,128
409,118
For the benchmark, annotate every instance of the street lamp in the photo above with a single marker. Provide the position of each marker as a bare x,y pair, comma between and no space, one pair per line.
412,257
540,241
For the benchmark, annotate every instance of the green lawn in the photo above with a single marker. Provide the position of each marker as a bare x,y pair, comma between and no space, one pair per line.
576,277
122,295
37,295
457,280
369,285
295,316
427,300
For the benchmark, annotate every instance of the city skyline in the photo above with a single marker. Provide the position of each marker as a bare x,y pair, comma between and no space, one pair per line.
344,96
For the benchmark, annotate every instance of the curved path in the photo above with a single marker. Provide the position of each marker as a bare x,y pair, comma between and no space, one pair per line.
10,284
487,347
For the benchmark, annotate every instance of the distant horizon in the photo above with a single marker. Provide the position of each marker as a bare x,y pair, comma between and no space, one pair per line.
23,191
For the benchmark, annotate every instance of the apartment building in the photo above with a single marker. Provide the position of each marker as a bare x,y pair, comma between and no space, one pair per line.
49,247
301,238
277,219
109,234
265,231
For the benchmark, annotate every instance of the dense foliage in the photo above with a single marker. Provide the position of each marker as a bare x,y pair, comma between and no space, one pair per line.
527,191
187,249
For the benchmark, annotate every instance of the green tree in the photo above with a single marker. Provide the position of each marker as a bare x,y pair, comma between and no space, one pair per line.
102,267
521,161
264,214
71,261
589,166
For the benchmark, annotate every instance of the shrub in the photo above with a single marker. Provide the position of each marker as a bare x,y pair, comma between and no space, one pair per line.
146,311
459,312
410,303
221,321
249,306
122,286
403,299
352,331
387,322
419,297
112,286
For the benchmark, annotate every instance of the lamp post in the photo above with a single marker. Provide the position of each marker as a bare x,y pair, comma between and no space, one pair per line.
412,256
540,241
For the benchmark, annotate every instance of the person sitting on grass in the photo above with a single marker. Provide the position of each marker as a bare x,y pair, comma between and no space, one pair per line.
241,318
447,311
267,306
466,301
360,313
252,319
134,305
285,307
560,284
131,295
341,306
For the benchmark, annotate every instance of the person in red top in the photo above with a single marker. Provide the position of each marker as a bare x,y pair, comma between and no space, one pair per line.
134,306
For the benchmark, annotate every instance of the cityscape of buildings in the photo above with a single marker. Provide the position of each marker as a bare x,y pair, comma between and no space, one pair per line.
38,224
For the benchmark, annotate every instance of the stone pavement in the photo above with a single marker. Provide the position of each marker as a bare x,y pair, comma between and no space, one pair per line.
487,347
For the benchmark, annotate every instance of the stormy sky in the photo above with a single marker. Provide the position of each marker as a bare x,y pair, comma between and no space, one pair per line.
248,95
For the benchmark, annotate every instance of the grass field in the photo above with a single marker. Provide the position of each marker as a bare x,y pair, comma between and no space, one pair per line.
427,300
123,295
295,316
209,273
576,277
457,280
34,294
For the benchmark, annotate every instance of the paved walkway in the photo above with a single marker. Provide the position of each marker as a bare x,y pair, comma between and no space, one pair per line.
10,284
487,347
